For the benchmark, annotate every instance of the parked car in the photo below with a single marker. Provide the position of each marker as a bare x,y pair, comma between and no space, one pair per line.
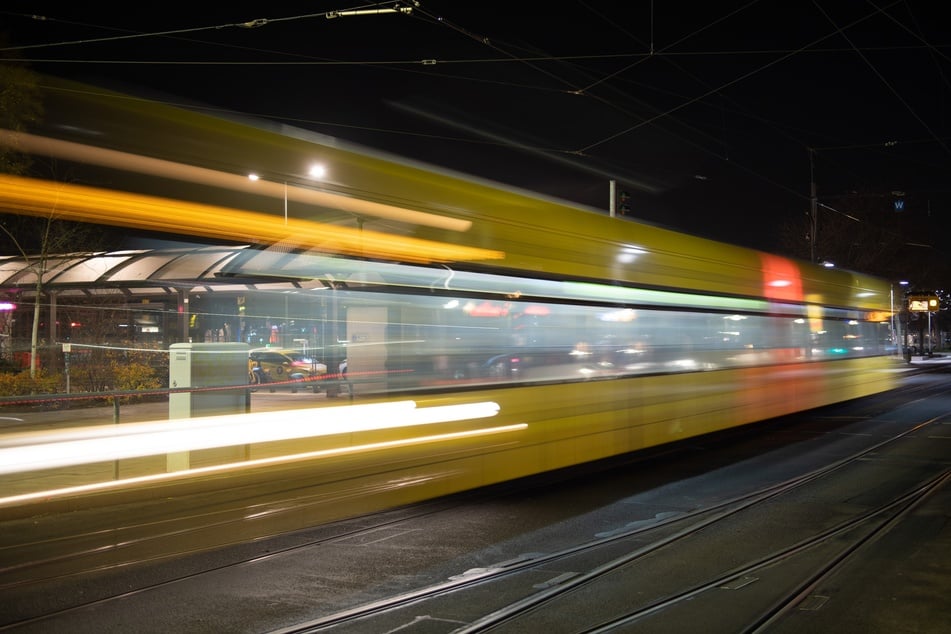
288,367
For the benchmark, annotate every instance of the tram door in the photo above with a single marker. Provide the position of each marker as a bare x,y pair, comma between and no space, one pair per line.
366,348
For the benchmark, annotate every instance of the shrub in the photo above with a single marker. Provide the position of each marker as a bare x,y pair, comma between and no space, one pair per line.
21,384
135,376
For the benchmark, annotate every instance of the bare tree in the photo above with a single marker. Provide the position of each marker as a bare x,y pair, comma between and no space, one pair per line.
41,239
20,108
35,239
859,231
49,239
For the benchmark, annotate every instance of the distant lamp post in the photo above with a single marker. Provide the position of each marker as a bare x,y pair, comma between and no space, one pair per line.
897,338
316,171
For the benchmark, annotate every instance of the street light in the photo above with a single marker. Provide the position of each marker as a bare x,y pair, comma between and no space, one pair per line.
316,171
896,323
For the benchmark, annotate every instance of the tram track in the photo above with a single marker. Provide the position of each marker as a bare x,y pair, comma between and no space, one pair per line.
533,611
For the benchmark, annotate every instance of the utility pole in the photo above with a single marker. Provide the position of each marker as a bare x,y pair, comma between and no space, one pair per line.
813,206
612,193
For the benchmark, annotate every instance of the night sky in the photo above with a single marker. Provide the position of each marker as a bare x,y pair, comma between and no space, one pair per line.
703,112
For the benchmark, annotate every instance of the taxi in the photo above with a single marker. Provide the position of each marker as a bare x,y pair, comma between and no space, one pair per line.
283,366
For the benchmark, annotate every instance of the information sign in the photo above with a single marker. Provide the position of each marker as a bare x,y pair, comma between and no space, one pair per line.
923,303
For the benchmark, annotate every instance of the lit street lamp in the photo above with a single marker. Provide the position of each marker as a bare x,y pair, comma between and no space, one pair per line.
317,171
896,323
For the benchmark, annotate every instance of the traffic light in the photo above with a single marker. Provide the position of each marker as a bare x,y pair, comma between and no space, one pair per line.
623,206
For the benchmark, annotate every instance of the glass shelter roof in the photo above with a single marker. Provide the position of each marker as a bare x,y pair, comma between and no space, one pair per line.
131,272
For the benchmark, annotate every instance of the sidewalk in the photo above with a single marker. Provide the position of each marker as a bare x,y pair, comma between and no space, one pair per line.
938,358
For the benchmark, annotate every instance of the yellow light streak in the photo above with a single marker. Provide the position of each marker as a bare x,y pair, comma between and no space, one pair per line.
79,203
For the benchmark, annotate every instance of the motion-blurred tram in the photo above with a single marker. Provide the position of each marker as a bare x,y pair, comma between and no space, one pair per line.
580,337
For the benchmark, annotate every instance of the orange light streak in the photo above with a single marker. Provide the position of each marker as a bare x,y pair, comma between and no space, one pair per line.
88,204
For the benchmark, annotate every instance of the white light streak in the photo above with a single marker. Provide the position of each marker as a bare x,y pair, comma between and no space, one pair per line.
45,450
261,462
